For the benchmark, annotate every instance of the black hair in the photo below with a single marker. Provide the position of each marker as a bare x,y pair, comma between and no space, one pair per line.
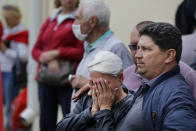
165,36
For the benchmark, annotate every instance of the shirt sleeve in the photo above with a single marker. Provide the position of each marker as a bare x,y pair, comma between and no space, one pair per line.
104,121
123,53
38,47
77,120
191,80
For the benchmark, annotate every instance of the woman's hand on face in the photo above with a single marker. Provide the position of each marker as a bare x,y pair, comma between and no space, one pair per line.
104,93
53,66
95,105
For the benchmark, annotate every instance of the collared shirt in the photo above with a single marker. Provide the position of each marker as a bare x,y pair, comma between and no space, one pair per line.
132,80
109,43
62,17
164,103
134,119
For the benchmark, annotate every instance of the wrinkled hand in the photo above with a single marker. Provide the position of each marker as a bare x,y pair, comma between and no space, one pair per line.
105,94
48,56
53,66
3,47
95,106
78,81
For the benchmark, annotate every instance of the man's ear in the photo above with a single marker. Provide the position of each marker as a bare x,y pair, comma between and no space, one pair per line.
170,56
93,21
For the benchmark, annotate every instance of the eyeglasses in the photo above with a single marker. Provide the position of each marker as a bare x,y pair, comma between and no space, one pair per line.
133,46
8,7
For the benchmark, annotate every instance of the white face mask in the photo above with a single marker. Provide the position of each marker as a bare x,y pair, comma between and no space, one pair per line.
77,32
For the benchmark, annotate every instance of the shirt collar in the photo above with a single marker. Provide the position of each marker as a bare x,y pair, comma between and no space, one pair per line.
89,47
70,16
163,76
15,29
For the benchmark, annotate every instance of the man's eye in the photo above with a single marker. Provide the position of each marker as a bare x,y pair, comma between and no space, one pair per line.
144,48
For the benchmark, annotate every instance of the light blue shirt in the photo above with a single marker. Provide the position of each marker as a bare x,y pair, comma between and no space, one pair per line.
107,42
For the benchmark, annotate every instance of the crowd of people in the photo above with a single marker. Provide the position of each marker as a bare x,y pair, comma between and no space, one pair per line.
99,83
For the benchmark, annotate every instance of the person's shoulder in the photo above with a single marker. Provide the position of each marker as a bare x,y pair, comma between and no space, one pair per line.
185,69
113,40
117,46
130,69
172,88
173,84
189,38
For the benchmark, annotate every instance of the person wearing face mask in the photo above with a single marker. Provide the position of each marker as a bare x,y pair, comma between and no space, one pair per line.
92,25
56,42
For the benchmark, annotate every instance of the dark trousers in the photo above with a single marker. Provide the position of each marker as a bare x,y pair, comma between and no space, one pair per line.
49,98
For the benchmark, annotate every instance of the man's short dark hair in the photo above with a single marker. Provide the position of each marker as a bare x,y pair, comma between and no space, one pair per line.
166,36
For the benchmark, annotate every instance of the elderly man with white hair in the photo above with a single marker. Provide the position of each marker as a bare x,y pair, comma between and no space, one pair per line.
107,104
92,25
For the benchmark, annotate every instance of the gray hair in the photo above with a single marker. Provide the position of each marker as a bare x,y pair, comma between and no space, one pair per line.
106,62
96,8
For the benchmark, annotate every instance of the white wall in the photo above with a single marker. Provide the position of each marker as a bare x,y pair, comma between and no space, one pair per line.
125,13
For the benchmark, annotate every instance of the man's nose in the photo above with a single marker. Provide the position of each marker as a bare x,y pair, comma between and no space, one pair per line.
138,53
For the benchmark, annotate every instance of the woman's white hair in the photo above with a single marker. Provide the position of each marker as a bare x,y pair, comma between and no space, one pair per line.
106,62
96,8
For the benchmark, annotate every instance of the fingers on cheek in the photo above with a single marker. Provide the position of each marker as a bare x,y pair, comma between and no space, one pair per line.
90,82
94,91
101,82
90,92
97,92
101,87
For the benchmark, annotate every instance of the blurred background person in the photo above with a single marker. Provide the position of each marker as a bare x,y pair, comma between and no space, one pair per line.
12,48
1,31
55,42
184,16
186,22
193,65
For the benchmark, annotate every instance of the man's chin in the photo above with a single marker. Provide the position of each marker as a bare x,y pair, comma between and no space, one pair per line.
140,71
